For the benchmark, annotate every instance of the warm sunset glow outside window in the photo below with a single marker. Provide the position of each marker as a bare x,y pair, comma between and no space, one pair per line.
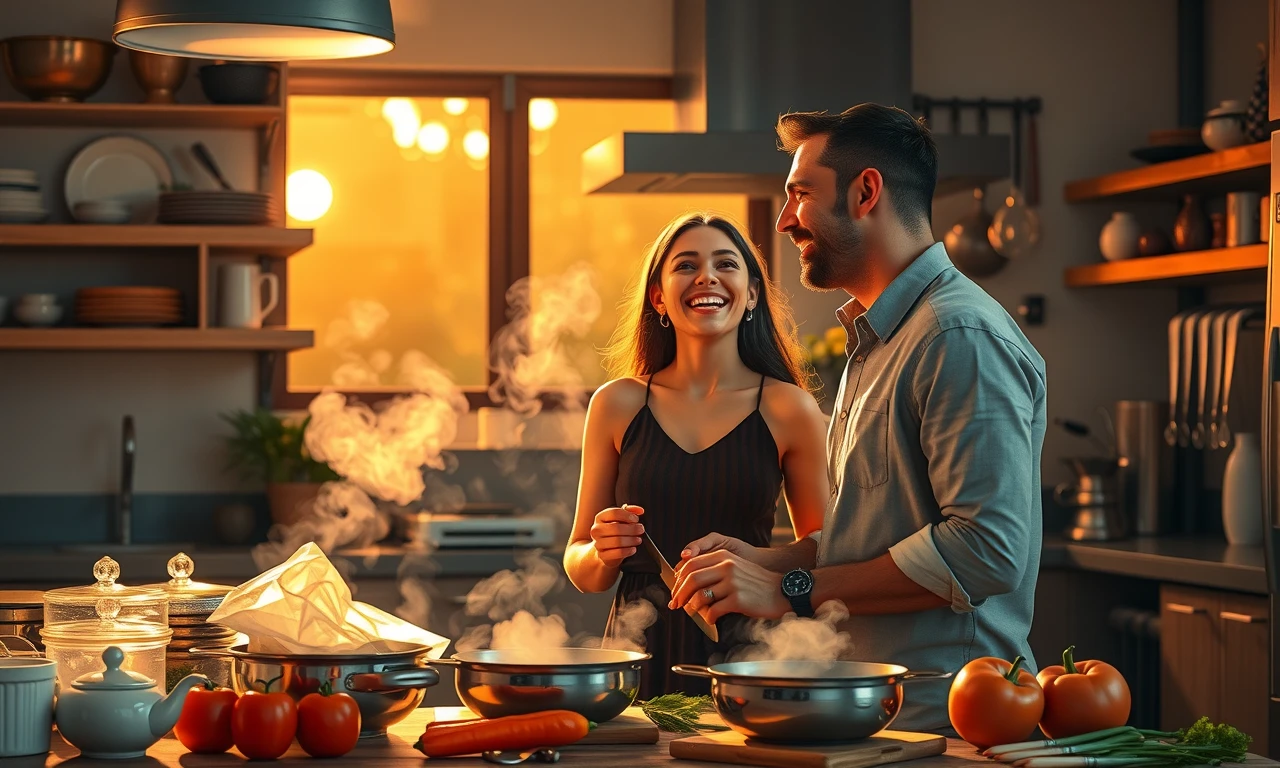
400,259
607,231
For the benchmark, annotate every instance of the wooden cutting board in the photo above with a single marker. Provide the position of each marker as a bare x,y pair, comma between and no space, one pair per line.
885,747
631,727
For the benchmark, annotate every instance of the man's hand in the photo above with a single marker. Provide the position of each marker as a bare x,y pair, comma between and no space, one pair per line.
718,542
723,582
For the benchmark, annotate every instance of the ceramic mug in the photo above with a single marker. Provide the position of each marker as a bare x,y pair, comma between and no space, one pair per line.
241,303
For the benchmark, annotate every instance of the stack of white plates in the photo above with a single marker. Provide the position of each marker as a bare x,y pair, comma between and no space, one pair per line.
216,207
20,199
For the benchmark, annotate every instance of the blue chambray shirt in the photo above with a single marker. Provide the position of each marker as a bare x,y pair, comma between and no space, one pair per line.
934,456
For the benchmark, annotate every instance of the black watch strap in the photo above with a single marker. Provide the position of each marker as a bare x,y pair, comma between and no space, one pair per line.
802,605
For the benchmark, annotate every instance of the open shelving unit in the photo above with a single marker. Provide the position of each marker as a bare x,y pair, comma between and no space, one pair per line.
277,242
28,114
1215,173
155,339
1193,266
270,246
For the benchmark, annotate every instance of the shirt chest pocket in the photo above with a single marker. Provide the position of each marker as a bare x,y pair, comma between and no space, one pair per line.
867,464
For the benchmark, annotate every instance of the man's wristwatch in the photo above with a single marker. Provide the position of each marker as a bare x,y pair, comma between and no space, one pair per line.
797,586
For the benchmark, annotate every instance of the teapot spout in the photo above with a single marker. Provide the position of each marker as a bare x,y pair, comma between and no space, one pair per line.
164,713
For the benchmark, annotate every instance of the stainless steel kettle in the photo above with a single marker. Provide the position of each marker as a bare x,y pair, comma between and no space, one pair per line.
1094,498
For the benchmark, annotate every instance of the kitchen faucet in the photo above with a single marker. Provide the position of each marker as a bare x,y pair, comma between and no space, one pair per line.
124,503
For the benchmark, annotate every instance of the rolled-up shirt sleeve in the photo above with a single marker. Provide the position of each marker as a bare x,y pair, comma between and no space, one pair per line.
976,396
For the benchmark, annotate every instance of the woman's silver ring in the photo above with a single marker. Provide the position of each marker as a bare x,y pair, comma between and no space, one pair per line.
709,595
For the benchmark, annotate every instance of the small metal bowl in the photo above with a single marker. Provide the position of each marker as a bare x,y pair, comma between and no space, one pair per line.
807,701
53,68
386,686
596,683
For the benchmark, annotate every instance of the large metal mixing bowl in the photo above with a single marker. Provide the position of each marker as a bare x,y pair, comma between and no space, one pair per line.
53,68
807,701
596,683
386,686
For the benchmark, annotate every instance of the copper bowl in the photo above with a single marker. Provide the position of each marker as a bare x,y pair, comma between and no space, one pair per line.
52,68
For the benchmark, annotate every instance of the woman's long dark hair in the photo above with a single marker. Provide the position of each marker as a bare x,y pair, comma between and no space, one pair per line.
767,344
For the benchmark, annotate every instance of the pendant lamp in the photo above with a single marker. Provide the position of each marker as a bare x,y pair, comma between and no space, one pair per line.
256,30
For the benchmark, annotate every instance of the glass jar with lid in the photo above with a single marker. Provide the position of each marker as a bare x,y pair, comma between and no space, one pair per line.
190,603
82,622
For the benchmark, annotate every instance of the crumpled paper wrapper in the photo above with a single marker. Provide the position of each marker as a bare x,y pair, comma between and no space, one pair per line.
303,606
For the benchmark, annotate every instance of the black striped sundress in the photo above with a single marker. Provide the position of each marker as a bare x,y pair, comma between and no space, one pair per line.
730,487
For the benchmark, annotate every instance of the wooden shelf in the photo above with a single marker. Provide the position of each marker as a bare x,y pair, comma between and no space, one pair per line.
1232,170
267,241
1193,266
76,115
155,339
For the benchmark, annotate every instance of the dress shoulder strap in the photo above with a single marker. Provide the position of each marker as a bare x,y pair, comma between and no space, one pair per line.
760,393
648,386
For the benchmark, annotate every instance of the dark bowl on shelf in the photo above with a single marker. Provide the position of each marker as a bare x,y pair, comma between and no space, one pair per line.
238,82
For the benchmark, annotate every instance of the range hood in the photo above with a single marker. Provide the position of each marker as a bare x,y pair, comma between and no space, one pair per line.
741,63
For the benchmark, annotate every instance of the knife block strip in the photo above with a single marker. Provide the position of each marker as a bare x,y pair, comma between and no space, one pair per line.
630,727
885,747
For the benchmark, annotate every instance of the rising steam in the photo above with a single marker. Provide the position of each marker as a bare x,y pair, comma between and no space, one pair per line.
794,638
530,355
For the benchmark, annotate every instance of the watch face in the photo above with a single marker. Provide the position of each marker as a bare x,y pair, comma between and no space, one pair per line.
797,583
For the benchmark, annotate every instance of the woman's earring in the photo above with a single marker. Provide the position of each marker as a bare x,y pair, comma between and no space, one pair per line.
663,321
749,312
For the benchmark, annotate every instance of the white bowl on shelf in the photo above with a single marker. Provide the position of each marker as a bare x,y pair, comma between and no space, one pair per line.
22,215
37,315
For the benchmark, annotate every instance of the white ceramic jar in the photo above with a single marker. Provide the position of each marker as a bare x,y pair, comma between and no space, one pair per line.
1119,237
1223,126
26,705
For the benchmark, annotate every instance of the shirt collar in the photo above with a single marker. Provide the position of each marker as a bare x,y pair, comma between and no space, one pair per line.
888,311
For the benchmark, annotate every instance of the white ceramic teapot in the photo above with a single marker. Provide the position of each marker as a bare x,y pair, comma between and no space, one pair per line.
116,714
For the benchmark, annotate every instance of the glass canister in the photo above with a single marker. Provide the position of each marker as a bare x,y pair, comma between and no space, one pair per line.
190,603
82,622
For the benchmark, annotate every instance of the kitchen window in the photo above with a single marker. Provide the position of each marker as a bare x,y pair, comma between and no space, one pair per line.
429,200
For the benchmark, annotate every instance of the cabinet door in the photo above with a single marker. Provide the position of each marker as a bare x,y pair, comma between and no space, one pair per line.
1245,699
1190,656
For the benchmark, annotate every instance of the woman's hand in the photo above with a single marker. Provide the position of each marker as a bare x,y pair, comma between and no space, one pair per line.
718,542
616,532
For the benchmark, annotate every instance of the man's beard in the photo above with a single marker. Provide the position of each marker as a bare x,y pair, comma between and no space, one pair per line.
828,264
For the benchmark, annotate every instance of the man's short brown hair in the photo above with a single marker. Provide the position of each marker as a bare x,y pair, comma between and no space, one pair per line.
888,139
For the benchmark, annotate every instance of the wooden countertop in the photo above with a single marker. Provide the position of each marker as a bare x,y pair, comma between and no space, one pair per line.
397,750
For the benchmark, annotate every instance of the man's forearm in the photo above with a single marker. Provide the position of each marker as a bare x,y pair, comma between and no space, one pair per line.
797,554
872,587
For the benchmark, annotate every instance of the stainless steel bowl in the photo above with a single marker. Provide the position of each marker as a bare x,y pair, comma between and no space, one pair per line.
807,701
386,686
52,68
596,683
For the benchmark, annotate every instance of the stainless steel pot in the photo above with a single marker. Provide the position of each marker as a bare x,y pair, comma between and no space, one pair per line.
807,701
594,682
386,686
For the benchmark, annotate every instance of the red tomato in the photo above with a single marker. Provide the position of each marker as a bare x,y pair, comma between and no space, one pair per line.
994,702
328,723
263,724
204,725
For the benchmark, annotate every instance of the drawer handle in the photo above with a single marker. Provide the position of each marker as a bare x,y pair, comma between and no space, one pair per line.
1183,608
1243,618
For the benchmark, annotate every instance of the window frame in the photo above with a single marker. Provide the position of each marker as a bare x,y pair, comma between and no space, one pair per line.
509,177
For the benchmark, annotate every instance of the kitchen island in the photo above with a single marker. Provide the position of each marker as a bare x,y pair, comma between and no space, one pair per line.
397,750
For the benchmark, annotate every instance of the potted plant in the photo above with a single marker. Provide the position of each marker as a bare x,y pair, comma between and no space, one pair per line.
273,450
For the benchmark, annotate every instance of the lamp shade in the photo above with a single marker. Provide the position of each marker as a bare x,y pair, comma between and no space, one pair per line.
256,30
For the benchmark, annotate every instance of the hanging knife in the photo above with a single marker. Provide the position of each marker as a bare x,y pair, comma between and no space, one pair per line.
669,578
